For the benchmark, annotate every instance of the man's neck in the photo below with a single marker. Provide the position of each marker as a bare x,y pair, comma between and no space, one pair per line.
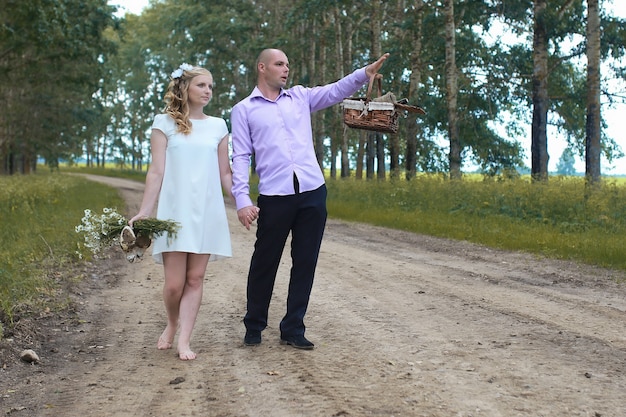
268,92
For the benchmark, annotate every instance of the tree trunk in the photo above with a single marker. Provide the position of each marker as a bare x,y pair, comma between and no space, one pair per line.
452,92
370,155
343,59
414,81
394,156
592,141
539,141
377,138
360,154
338,138
317,119
394,139
380,157
347,59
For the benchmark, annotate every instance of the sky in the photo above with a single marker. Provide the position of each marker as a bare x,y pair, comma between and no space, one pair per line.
615,117
130,6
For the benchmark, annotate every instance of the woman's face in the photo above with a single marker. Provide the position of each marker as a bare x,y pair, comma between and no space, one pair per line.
200,90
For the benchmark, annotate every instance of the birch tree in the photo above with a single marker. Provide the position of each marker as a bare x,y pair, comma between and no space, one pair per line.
539,139
452,91
592,128
414,84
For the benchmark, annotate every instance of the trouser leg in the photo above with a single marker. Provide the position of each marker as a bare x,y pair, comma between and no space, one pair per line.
306,239
273,226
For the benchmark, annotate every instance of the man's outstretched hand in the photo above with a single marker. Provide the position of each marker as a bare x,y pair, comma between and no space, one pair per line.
374,67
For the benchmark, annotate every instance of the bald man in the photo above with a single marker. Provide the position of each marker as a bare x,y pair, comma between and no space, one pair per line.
274,124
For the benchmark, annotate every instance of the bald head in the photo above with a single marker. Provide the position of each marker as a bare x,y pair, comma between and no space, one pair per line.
272,71
267,55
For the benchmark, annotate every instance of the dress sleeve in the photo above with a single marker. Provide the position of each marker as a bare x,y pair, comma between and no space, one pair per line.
223,128
165,124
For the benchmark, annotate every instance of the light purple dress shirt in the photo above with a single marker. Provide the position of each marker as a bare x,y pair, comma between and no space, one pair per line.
279,134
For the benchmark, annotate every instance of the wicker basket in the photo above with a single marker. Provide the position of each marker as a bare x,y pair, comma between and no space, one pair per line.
378,116
363,113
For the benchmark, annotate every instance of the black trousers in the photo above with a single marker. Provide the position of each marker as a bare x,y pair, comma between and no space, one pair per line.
304,215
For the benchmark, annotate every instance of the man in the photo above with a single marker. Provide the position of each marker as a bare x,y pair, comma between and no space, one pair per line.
274,124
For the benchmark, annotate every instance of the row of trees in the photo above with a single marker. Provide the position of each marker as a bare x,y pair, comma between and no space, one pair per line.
51,55
78,81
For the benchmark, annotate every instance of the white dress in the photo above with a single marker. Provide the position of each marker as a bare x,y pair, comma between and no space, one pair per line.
191,193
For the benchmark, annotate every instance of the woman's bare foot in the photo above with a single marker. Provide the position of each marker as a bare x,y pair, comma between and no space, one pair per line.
186,354
166,339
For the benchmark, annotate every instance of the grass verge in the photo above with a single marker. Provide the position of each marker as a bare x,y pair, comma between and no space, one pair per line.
559,219
38,214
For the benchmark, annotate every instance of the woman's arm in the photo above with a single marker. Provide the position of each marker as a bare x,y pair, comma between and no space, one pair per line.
154,177
226,174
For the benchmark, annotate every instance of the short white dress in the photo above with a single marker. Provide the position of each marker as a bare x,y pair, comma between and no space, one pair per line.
191,193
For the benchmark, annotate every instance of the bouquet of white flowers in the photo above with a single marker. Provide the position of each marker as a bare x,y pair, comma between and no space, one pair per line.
102,231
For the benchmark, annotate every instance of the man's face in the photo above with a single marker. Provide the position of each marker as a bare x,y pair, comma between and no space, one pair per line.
276,70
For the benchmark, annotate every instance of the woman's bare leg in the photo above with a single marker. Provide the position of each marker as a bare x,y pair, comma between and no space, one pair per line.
175,271
190,303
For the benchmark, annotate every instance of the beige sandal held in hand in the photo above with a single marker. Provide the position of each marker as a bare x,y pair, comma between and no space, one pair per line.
127,238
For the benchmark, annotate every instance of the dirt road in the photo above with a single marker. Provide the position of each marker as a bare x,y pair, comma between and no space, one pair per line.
404,325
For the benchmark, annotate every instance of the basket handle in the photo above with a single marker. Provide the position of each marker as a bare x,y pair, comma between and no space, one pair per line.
368,97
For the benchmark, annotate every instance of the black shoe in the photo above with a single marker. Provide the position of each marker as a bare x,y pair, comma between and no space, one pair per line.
299,342
252,338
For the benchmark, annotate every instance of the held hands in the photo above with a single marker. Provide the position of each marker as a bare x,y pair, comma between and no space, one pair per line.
247,215
374,67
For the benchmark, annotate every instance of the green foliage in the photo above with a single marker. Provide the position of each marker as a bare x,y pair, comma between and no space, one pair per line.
51,67
38,214
558,219
94,82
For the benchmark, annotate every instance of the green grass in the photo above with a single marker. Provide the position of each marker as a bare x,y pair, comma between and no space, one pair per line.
107,171
38,214
558,219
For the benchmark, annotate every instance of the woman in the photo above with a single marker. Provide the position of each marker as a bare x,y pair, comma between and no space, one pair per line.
190,168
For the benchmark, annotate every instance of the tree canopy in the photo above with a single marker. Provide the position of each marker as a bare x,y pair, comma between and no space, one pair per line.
78,82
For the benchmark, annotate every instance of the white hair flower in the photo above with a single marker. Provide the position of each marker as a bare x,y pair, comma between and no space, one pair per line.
179,71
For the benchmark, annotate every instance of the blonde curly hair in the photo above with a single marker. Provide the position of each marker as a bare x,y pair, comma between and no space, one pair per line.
177,98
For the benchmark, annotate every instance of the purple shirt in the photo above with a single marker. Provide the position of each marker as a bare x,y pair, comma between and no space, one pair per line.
279,134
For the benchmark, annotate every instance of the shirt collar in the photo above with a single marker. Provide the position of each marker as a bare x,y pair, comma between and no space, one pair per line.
257,93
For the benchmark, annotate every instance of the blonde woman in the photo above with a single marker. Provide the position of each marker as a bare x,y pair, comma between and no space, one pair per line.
190,168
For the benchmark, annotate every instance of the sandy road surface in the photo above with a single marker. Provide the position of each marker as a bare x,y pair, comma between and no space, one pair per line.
404,325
